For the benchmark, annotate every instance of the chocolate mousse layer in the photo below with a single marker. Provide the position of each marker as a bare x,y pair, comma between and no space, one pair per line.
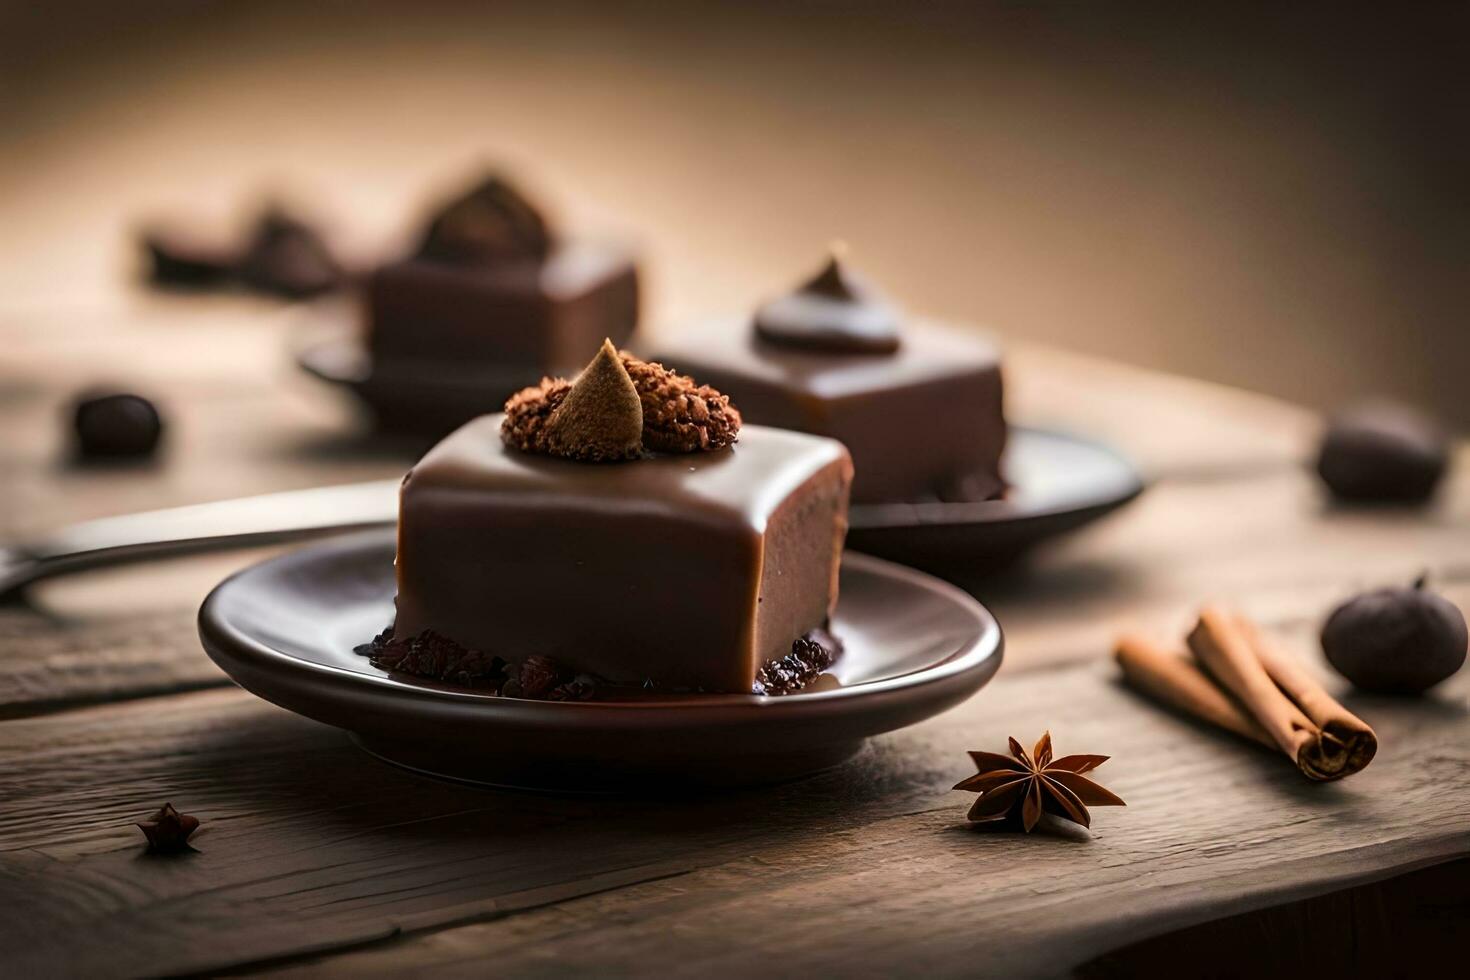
688,571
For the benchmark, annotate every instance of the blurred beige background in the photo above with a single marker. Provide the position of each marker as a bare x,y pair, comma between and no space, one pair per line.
1271,198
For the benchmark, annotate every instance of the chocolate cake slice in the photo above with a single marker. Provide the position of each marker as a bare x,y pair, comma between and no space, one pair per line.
491,284
558,530
918,404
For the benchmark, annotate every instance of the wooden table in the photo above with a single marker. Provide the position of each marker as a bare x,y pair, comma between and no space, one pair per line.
315,858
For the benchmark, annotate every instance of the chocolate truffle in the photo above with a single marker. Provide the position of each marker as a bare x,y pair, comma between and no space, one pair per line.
681,570
1383,452
1396,641
492,285
116,425
920,409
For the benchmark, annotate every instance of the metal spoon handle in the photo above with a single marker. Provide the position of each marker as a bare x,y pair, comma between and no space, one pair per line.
223,524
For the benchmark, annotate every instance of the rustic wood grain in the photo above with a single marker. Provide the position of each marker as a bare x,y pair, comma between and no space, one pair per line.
52,664
1212,828
310,845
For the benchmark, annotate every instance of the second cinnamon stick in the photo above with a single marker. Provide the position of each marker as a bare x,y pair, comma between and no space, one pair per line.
1227,647
1347,743
1173,680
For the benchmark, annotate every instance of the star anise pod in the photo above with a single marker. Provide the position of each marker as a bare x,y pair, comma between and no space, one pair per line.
168,829
1035,783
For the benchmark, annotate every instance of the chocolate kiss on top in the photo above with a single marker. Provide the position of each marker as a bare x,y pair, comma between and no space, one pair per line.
834,311
601,418
491,223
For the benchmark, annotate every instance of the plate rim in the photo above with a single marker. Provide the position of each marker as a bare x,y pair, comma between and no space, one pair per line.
977,659
889,516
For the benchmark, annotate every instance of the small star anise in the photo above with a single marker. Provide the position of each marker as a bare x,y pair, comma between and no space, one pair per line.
168,829
1035,783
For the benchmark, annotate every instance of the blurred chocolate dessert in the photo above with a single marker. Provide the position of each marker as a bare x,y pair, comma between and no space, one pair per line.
918,404
288,257
283,255
492,285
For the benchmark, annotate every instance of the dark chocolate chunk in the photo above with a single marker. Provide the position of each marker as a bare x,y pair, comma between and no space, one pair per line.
810,655
534,678
1396,641
1383,452
492,223
834,311
288,257
434,656
116,426
371,647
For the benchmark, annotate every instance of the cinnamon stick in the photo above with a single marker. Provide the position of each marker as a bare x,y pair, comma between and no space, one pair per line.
1177,682
1347,742
1228,650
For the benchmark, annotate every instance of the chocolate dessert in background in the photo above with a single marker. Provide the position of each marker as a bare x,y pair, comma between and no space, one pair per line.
181,256
918,405
612,526
491,285
283,255
288,257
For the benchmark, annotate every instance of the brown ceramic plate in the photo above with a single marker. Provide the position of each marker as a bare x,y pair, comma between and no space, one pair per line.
1058,483
285,630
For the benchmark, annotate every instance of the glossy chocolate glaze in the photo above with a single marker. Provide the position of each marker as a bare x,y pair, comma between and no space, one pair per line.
689,571
834,311
924,422
543,315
